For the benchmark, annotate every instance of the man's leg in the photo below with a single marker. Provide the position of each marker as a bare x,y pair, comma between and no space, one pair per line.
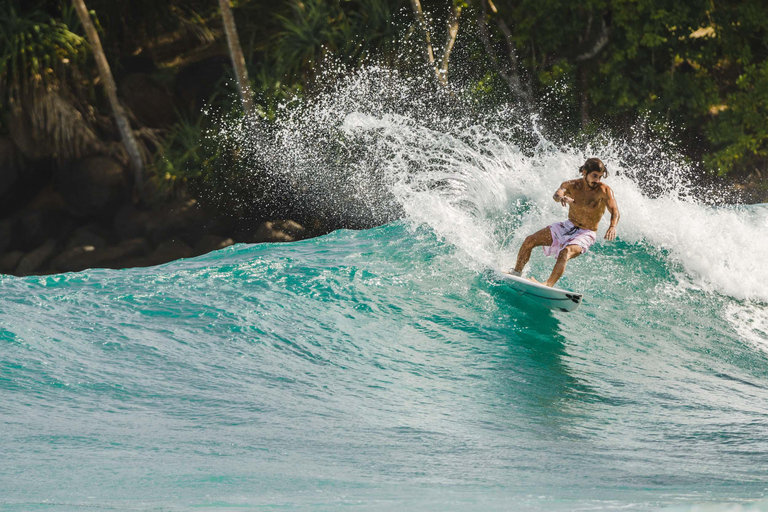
539,238
569,252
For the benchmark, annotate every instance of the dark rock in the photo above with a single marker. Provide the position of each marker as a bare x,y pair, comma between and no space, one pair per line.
278,231
94,186
45,217
31,144
86,236
33,179
208,243
9,261
74,259
35,259
131,222
126,249
180,220
9,165
165,252
7,233
149,101
172,250
83,257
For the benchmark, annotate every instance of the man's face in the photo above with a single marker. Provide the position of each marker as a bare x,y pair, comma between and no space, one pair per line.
593,178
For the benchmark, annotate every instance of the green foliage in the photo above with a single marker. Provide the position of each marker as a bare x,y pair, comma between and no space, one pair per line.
181,157
351,30
314,28
682,61
739,133
696,64
270,92
36,50
135,24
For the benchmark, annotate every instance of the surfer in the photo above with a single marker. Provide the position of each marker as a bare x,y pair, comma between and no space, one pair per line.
587,199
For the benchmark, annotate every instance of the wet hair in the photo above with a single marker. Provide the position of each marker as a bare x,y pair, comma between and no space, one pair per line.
594,164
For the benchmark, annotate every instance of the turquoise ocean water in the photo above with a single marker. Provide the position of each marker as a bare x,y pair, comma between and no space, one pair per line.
381,369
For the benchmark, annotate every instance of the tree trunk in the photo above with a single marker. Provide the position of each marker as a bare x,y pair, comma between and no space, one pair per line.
514,82
121,119
422,21
453,32
236,53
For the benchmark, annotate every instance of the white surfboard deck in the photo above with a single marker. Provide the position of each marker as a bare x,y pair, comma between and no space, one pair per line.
556,299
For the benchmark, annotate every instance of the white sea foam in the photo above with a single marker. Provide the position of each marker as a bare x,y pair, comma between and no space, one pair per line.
751,323
375,147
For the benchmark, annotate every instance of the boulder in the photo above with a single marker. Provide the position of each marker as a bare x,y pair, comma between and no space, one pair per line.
182,220
9,165
94,186
130,222
33,180
7,233
165,252
126,249
33,145
87,236
37,258
278,231
9,261
148,100
74,259
115,256
171,250
44,218
208,243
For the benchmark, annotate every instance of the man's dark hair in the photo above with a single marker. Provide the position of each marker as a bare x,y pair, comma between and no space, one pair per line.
594,164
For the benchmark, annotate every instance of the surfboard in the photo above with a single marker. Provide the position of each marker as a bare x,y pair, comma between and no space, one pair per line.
556,299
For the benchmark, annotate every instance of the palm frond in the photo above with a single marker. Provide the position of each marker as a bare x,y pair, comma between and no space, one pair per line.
35,50
49,118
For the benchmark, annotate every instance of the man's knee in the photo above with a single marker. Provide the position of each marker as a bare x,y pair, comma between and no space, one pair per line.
529,242
570,251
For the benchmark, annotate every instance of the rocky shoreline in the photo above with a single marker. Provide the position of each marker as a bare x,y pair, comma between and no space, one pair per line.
45,238
65,213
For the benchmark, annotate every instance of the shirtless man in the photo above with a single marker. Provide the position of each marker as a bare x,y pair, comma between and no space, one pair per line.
588,198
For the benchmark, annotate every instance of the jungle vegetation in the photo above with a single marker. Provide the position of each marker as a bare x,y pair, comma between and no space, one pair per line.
700,67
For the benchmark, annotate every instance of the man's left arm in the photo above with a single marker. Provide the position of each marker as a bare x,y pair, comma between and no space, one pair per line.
610,203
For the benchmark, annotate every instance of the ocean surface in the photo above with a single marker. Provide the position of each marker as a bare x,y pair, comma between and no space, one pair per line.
382,369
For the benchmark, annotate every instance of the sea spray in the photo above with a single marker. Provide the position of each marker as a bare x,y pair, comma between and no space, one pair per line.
374,146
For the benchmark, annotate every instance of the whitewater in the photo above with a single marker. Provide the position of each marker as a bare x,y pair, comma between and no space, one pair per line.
381,368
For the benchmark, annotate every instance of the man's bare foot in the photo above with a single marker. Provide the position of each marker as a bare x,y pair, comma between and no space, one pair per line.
513,272
539,282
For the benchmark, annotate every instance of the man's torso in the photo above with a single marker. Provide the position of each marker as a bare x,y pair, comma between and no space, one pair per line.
588,205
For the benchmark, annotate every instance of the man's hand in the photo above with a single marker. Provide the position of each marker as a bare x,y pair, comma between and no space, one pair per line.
611,233
565,200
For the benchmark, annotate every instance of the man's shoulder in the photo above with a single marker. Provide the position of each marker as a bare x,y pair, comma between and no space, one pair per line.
570,183
606,189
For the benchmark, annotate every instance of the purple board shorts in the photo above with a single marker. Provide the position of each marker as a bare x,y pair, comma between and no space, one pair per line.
565,234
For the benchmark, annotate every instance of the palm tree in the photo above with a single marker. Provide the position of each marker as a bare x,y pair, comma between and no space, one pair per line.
121,119
40,60
236,54
440,67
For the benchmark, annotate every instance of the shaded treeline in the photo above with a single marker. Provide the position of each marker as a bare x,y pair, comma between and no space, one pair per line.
698,65
695,69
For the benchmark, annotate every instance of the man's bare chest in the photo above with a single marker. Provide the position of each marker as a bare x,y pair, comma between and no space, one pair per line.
587,201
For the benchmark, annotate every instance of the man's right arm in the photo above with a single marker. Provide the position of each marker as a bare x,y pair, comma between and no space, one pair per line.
560,194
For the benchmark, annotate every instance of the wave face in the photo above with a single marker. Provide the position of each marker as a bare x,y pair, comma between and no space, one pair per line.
380,368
